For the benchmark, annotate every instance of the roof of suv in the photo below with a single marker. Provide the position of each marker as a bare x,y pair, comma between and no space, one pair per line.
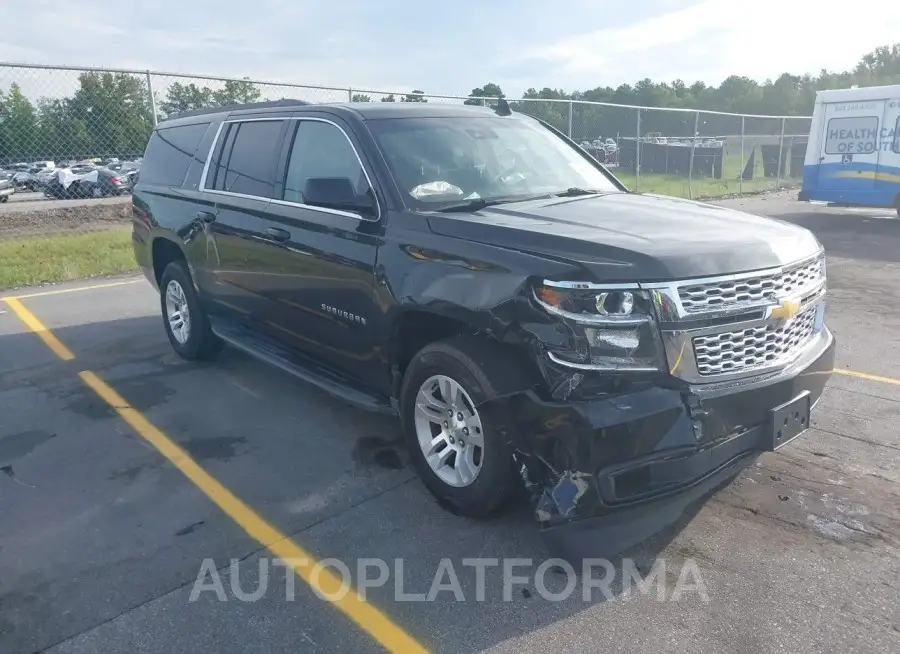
414,109
364,110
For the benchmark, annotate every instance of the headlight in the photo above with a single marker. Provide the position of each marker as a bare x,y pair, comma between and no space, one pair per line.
614,303
612,328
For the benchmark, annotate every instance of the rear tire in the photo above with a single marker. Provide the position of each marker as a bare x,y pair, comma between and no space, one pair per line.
186,324
469,473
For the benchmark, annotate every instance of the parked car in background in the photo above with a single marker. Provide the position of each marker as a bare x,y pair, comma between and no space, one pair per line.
86,182
131,177
7,186
124,166
611,150
21,177
29,179
26,176
43,177
127,169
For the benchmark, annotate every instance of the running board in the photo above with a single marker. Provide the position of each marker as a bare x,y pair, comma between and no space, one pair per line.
323,378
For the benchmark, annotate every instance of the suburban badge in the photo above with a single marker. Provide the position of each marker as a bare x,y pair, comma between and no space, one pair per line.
346,315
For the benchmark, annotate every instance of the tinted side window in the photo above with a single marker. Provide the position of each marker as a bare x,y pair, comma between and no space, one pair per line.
195,170
217,165
169,154
251,166
321,150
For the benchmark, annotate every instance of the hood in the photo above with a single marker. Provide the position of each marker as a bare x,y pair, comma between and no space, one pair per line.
633,237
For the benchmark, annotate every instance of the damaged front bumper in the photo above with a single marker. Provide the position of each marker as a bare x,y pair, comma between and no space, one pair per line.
608,473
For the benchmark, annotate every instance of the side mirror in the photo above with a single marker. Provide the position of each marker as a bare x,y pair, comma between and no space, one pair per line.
337,193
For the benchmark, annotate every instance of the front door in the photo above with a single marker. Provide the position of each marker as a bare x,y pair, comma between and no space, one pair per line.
324,259
851,144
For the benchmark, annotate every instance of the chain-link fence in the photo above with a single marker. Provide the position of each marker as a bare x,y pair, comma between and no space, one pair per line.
683,152
82,118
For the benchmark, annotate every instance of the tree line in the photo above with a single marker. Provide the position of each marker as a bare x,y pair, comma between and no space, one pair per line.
110,114
787,95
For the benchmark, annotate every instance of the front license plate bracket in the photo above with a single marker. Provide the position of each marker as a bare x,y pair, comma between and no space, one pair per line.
789,420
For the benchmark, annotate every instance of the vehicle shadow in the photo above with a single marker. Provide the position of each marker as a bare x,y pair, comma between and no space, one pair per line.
332,477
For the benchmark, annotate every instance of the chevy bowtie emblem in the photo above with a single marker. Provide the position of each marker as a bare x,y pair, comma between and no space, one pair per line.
786,310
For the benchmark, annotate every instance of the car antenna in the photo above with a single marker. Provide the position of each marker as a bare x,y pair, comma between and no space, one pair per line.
503,108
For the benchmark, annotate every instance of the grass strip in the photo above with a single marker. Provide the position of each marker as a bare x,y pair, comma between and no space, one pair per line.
33,260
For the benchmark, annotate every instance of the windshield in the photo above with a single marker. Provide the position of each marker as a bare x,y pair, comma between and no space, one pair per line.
439,161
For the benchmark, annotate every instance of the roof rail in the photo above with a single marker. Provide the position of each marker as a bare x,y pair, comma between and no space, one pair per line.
284,102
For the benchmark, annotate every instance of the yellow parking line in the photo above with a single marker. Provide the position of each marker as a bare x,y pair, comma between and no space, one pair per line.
865,375
38,328
304,565
77,289
327,585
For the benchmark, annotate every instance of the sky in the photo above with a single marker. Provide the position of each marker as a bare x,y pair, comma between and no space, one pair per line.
449,47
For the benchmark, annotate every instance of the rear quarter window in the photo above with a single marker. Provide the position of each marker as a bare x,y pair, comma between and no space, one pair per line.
170,152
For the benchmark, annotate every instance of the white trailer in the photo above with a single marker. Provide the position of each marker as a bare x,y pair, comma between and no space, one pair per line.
853,156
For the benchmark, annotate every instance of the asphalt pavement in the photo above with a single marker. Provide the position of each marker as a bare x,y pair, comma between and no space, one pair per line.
103,538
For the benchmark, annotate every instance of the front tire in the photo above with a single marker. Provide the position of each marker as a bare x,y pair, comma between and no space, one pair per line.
185,321
461,457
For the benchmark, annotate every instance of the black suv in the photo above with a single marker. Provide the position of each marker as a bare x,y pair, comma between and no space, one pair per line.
531,321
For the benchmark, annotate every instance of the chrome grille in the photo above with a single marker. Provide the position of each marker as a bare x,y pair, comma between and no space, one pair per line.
756,347
720,294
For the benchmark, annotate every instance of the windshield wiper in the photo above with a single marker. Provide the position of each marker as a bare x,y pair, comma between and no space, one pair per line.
472,205
575,192
477,204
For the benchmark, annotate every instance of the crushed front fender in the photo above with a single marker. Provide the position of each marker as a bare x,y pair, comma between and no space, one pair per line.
606,473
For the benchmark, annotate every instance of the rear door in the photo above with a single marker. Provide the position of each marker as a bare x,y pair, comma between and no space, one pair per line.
241,178
161,197
851,145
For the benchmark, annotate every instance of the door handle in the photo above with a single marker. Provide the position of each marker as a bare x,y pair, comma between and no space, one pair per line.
277,234
205,216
